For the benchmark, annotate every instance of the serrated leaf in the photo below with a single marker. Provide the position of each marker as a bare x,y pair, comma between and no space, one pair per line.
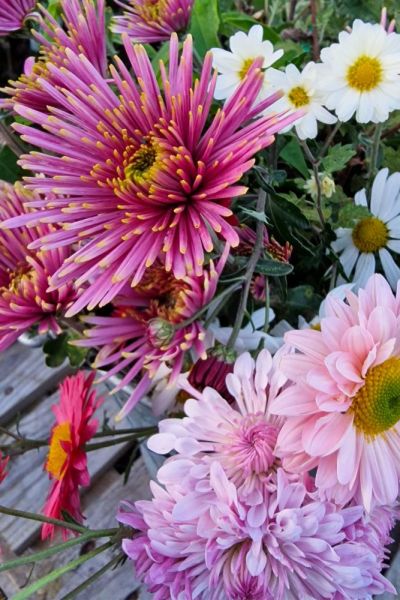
9,169
273,268
292,153
337,157
350,214
59,349
205,25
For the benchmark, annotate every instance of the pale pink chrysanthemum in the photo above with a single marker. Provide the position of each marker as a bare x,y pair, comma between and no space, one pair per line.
206,544
241,436
343,413
13,14
144,174
67,460
84,33
24,274
147,327
150,21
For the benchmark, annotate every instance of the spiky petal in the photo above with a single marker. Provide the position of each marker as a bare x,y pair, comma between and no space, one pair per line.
13,14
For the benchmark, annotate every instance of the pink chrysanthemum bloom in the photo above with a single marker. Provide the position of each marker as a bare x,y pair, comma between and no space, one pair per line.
143,173
207,544
147,327
241,436
343,413
84,33
13,14
150,21
24,274
67,461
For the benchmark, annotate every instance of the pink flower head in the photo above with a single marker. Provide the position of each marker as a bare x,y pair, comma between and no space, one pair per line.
343,413
13,13
241,436
150,21
67,461
208,544
84,33
146,328
144,173
24,274
3,466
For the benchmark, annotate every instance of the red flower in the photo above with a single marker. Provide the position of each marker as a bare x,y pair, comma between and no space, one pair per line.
67,460
3,465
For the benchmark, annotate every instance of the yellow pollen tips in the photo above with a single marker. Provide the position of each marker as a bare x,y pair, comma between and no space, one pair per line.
365,73
246,64
370,235
376,406
57,455
140,166
298,97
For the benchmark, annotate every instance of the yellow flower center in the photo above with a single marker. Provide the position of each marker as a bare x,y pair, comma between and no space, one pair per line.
376,406
57,455
23,273
150,10
365,73
370,235
245,67
298,97
140,167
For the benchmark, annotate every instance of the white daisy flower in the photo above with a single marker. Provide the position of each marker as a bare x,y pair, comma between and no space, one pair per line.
375,236
233,65
301,92
360,74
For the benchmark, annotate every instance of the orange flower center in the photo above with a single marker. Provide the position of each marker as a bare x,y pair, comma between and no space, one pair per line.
57,455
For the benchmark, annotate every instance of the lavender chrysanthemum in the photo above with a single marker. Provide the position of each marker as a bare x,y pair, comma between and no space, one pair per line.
84,33
24,275
142,176
148,329
13,14
150,21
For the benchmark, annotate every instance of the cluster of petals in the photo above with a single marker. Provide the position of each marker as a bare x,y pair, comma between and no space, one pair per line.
230,522
148,328
13,14
148,22
141,176
67,461
342,414
3,466
25,300
84,33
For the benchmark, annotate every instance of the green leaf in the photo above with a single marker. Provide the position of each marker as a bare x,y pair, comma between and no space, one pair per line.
293,155
9,169
302,299
337,157
254,214
233,21
350,214
391,158
59,349
273,268
205,25
162,54
285,215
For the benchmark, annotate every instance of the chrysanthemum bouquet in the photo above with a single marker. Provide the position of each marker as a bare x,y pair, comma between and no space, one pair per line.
200,211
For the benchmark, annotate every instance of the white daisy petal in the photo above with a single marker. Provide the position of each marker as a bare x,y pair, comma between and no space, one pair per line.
394,245
377,192
348,259
390,268
364,269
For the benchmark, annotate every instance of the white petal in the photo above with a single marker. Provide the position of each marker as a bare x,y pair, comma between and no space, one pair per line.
390,268
348,259
377,192
364,269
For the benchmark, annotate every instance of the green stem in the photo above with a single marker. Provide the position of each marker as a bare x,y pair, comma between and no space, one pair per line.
262,196
92,578
314,165
43,581
222,299
119,440
42,519
138,432
374,152
11,140
328,141
38,556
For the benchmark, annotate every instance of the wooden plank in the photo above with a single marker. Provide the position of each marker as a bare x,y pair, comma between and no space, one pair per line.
26,486
24,377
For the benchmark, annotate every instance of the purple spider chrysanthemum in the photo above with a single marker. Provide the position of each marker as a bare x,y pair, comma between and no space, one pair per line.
143,175
84,33
24,275
150,21
13,14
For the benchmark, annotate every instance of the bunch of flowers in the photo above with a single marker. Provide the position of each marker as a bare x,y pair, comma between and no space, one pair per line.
200,210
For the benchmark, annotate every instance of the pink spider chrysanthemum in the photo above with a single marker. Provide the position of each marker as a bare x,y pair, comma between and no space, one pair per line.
343,413
24,274
144,174
13,14
84,33
207,544
67,460
150,21
148,327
